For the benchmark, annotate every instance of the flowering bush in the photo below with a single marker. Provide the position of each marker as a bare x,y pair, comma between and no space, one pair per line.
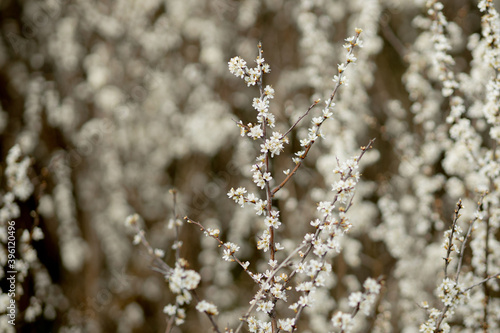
126,111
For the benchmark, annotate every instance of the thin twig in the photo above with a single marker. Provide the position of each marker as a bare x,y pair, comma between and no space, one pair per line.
456,216
496,276
467,236
301,117
221,244
329,102
259,294
177,227
290,175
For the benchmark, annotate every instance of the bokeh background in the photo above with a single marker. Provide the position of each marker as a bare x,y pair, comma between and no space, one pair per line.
115,103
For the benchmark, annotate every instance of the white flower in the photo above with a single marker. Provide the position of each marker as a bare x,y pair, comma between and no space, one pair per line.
170,309
182,279
304,301
371,286
159,253
269,92
16,173
131,219
37,234
263,242
305,286
237,195
300,267
266,307
253,75
355,299
272,221
286,324
207,307
260,178
327,113
229,250
260,105
274,144
308,238
342,321
256,132
325,207
138,237
237,66
315,223
213,232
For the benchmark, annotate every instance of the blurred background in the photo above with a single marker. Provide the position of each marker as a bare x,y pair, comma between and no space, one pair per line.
117,102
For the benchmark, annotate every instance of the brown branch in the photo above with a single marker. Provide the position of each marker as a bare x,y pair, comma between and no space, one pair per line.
301,117
297,166
221,243
447,259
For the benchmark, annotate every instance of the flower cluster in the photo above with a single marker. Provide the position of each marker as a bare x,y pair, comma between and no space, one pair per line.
17,173
442,60
207,307
260,178
239,68
457,236
106,108
273,287
229,250
314,132
358,301
181,281
452,295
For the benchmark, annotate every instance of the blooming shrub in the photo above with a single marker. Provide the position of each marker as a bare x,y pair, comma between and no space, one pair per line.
263,198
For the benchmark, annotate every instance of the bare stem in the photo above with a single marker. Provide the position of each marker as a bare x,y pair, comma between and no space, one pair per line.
221,244
177,227
456,216
329,102
271,276
467,236
301,117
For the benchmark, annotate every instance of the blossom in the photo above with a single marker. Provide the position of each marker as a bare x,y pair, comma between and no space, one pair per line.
170,309
229,250
181,279
371,286
272,221
274,144
287,324
207,307
16,173
131,220
260,178
264,241
355,299
237,195
269,92
253,76
261,104
238,67
266,307
342,321
256,132
159,253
